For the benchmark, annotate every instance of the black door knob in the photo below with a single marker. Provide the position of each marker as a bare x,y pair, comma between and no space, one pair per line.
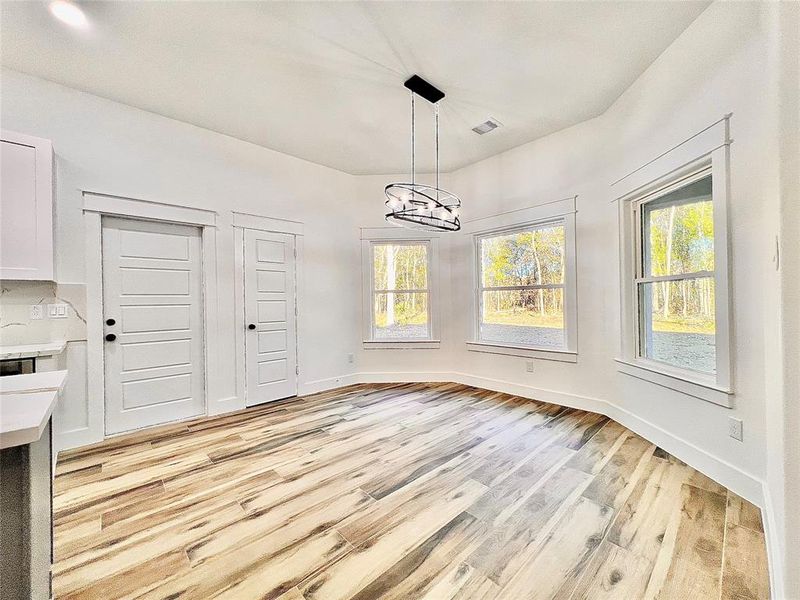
111,337
251,326
110,322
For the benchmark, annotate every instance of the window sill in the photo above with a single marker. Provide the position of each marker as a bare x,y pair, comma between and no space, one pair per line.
525,352
703,390
401,344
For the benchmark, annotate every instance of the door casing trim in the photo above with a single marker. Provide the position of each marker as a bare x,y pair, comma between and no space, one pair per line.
95,206
266,224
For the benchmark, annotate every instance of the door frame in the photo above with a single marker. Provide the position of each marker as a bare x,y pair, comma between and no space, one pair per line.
95,207
242,221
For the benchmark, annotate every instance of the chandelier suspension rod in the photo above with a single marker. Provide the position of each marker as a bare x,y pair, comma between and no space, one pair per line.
436,113
413,141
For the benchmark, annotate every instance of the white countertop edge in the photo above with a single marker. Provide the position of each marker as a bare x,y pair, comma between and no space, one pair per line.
25,411
33,382
32,350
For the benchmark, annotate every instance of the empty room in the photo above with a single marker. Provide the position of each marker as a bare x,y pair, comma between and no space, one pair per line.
411,300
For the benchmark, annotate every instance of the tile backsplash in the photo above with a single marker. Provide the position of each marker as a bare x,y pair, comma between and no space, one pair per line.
16,299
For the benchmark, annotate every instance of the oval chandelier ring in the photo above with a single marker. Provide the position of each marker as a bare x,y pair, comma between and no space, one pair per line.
417,205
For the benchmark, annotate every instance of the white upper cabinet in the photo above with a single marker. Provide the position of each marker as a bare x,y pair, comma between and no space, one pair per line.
26,207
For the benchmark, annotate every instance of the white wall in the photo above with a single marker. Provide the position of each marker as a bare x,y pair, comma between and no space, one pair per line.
103,146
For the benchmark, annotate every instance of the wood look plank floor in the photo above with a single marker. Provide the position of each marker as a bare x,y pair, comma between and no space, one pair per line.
404,491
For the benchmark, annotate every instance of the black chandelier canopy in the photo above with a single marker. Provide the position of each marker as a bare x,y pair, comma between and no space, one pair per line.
418,205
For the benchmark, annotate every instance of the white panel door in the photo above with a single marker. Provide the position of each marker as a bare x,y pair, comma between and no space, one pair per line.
153,322
270,316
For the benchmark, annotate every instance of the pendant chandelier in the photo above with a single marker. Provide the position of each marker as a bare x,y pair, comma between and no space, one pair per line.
418,205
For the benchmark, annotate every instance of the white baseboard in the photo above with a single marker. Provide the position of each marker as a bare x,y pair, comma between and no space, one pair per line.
75,438
304,388
774,548
224,405
404,377
527,391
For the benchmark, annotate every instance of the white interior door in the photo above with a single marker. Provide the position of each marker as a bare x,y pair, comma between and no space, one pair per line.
270,316
153,323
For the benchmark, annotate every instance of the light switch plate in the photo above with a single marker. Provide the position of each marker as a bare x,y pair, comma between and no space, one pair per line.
57,311
529,366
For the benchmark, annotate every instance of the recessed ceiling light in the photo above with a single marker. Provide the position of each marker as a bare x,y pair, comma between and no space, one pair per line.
69,13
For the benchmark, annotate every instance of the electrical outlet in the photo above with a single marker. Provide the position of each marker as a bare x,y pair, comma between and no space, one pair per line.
57,311
529,366
735,428
37,312
351,358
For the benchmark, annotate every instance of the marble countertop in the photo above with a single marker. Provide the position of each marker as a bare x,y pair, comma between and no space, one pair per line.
32,350
26,403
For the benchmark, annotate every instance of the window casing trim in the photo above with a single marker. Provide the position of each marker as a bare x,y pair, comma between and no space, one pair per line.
371,237
712,388
557,213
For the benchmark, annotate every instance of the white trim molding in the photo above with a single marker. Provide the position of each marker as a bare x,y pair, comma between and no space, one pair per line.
241,222
660,375
522,216
401,345
95,206
704,154
372,236
121,206
559,212
525,352
262,223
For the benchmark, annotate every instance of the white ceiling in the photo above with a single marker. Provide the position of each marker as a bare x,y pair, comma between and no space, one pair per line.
324,81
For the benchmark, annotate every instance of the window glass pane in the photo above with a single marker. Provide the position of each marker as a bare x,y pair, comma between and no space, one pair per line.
401,315
524,317
401,267
678,234
524,258
678,323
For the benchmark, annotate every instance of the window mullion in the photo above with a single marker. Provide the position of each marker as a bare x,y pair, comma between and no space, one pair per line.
514,288
676,277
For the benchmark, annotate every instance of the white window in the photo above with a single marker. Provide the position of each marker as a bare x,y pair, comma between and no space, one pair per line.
675,282
525,286
676,321
399,276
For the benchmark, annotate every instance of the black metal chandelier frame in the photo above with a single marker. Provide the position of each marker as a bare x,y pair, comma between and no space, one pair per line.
417,205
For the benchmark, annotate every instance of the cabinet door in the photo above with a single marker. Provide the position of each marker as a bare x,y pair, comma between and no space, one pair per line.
26,207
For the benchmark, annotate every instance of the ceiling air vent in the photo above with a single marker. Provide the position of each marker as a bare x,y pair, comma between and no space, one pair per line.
487,126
